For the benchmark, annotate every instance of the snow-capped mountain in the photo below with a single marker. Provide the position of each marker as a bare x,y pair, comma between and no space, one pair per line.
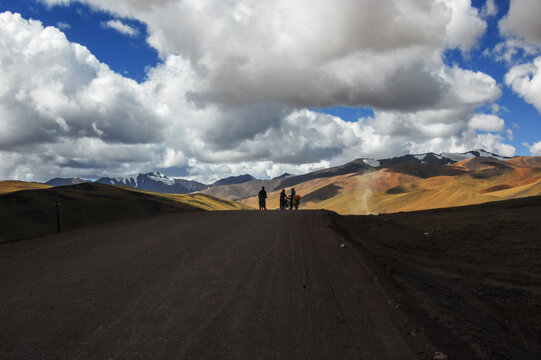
472,154
156,182
159,182
371,162
66,181
439,159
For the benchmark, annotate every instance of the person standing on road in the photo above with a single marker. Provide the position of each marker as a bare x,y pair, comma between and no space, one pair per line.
262,199
283,200
291,198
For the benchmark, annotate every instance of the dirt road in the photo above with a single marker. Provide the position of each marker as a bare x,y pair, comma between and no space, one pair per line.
215,285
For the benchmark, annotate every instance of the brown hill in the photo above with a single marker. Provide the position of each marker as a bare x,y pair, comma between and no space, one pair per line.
236,192
355,166
426,170
417,186
447,191
526,161
482,163
31,213
249,189
316,191
7,186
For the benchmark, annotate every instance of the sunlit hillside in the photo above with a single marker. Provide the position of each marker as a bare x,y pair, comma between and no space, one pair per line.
441,191
410,187
8,186
526,161
198,200
317,191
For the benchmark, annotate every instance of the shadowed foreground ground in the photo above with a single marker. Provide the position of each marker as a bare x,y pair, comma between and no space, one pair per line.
204,285
471,276
281,285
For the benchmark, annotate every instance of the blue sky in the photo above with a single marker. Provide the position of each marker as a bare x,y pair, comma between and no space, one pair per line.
523,118
245,98
127,55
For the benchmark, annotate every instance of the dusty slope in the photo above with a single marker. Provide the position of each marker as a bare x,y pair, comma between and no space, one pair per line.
526,161
471,274
31,213
249,189
473,188
240,191
417,186
374,193
207,285
425,171
483,163
314,192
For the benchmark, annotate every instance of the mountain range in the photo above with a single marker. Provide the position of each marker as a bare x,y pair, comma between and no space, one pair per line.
155,182
428,164
368,186
242,186
410,183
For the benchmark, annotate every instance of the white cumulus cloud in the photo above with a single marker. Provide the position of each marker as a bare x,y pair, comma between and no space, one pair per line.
120,27
235,95
489,9
310,53
63,25
486,122
521,31
466,26
522,20
522,50
525,80
535,149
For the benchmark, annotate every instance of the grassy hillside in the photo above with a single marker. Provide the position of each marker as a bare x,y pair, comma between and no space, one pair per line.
31,213
197,200
7,186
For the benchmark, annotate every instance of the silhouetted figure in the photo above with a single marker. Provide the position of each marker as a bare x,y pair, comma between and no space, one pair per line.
262,199
291,198
283,200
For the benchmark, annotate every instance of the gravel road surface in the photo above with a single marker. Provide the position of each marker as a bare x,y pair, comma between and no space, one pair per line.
205,285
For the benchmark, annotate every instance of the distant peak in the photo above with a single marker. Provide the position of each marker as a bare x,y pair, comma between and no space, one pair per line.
484,153
371,162
66,181
231,180
283,176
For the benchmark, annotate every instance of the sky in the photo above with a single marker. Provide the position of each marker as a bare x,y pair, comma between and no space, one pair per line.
205,89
